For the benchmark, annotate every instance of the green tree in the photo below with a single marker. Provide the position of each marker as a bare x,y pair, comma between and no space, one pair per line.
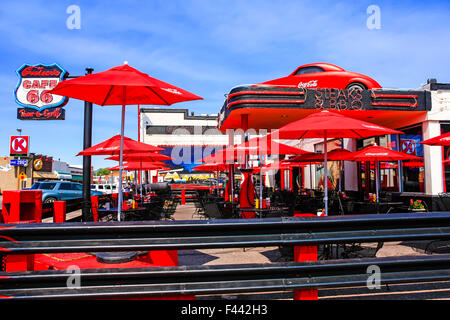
103,172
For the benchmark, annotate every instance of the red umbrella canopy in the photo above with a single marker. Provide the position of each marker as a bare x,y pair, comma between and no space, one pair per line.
112,147
278,165
211,167
334,155
255,146
122,85
333,124
442,140
143,166
142,156
377,153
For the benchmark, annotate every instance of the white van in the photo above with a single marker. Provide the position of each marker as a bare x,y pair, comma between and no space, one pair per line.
105,188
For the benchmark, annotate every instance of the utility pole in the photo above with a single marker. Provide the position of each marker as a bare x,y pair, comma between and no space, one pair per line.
87,142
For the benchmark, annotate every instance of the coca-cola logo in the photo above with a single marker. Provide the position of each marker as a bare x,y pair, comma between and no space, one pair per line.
310,84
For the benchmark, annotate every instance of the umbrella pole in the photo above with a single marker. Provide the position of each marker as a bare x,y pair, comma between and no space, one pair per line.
135,182
122,130
140,181
377,173
261,181
310,177
325,148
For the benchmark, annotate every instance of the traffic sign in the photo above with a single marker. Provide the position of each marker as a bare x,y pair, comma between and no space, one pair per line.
22,176
18,162
19,145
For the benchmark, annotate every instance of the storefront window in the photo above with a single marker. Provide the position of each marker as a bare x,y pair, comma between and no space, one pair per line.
412,172
388,170
413,177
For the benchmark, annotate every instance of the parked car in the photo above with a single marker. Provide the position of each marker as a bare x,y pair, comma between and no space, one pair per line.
105,188
325,75
61,190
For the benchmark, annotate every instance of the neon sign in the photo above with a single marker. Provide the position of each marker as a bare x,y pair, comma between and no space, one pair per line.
32,92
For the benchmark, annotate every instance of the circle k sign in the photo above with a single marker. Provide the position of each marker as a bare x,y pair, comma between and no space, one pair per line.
19,145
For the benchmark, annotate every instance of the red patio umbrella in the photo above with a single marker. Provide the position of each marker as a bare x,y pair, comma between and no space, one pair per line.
334,155
112,147
442,140
326,124
141,156
257,146
211,167
278,165
377,154
338,154
253,147
131,166
122,85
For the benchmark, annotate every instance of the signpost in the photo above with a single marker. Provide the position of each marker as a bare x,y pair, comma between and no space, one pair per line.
18,162
19,146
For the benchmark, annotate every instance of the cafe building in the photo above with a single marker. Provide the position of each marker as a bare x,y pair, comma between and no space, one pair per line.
420,114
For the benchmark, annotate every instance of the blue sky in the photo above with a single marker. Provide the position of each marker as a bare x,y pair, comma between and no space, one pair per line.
207,47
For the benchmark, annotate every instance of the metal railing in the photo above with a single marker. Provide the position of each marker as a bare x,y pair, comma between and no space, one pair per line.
200,234
218,233
209,280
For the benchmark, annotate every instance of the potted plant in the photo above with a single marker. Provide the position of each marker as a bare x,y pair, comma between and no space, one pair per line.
416,205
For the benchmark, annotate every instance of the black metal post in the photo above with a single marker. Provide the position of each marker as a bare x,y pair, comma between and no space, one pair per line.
87,142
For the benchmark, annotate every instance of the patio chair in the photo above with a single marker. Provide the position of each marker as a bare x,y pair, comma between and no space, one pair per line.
444,203
212,210
199,209
169,209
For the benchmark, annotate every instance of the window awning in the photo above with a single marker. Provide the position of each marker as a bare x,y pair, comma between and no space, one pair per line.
63,175
44,175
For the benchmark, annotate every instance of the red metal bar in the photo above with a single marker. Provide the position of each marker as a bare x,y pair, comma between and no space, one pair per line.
265,101
94,204
266,92
305,253
22,206
395,104
59,211
183,197
400,96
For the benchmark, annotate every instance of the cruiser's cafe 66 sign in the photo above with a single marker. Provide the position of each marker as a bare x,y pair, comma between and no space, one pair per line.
32,92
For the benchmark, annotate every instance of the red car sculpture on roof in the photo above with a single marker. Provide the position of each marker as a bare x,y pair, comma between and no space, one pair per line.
324,75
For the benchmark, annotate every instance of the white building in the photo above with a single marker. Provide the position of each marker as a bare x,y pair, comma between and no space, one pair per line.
186,137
